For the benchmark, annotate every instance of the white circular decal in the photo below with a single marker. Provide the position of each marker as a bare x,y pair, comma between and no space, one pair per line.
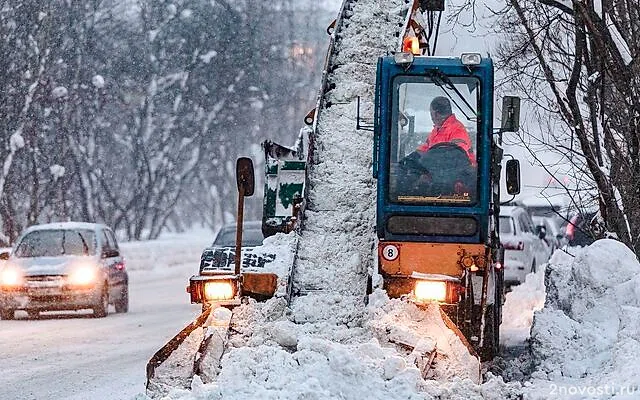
390,252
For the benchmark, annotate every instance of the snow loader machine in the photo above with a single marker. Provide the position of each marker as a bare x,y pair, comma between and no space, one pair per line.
438,209
437,213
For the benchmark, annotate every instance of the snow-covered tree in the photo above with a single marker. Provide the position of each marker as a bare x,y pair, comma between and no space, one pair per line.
579,61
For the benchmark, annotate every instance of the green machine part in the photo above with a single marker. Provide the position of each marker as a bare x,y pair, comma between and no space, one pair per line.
285,177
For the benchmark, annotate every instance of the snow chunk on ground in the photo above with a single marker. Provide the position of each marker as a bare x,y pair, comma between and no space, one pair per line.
589,330
97,81
16,142
206,58
59,92
57,171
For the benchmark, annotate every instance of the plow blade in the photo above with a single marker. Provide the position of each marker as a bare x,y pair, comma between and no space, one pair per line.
195,350
168,349
207,364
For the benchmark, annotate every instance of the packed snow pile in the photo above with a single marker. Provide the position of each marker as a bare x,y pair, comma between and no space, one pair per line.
422,331
271,357
586,340
519,307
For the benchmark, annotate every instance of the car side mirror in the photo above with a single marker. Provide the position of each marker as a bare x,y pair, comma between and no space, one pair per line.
510,114
5,255
512,172
541,231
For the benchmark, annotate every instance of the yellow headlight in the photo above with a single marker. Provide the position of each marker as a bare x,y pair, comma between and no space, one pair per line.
431,291
10,276
82,276
221,290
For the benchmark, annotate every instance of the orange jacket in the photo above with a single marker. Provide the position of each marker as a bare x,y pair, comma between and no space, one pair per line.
451,131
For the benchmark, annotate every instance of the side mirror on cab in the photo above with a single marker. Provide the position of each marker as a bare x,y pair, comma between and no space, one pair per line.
512,172
245,176
510,114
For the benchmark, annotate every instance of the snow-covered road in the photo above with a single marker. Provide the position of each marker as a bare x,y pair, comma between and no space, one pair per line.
74,356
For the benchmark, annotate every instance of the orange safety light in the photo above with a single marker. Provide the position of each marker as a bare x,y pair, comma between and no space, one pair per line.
411,45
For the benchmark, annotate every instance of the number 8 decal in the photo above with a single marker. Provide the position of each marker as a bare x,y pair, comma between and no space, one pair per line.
390,252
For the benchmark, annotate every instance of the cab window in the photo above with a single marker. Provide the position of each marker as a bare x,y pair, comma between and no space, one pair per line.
433,141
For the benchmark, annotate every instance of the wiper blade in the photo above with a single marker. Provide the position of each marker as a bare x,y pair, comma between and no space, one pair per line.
443,81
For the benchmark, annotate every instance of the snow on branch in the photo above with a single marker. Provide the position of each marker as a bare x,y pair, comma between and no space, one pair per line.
619,41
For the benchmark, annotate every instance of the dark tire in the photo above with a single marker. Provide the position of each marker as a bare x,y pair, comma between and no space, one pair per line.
7,314
122,304
101,309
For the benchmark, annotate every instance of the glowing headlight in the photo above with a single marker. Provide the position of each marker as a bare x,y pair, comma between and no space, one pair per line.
220,290
431,291
82,276
10,276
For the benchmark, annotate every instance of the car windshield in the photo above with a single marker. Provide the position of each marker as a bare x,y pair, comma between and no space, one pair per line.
250,237
433,148
52,243
506,226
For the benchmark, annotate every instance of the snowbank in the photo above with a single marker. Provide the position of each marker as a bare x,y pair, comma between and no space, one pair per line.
519,307
167,251
586,340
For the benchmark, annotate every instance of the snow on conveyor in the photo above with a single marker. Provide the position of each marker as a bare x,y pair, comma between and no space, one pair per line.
336,246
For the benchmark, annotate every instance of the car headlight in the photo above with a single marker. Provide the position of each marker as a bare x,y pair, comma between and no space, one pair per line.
11,277
83,275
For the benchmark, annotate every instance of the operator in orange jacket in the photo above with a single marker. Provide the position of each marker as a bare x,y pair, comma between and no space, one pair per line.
447,129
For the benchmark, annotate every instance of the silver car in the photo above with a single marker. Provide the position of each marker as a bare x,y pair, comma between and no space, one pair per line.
64,266
553,233
525,248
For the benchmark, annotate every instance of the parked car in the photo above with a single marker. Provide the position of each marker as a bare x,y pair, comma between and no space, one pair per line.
220,256
583,229
64,266
525,248
251,235
543,206
554,236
